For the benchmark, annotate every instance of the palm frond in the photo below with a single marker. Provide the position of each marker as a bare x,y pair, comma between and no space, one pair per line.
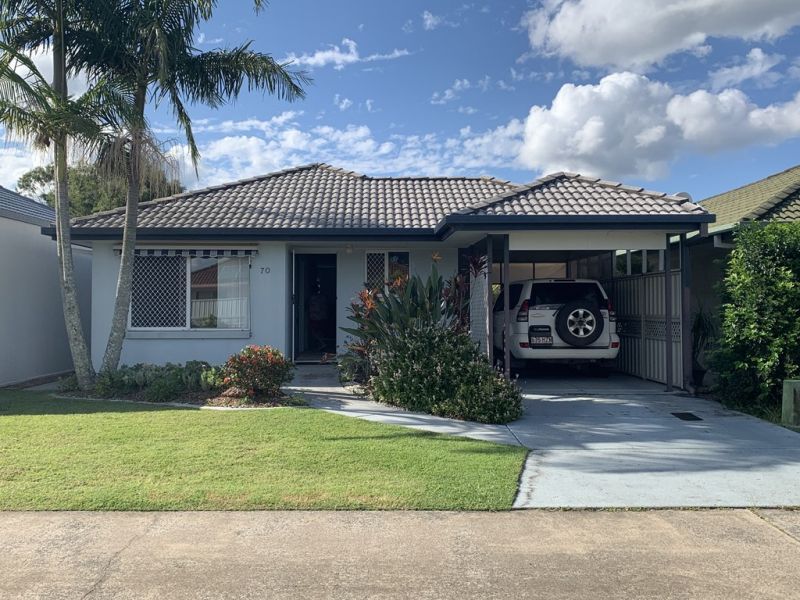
217,76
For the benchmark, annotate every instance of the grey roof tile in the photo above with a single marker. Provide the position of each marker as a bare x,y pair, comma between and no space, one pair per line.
569,194
20,208
321,196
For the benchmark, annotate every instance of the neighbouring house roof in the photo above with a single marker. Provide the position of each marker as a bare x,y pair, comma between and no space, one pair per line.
319,197
776,197
20,208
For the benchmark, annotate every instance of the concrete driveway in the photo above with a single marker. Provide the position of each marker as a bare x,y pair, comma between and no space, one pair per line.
614,443
617,443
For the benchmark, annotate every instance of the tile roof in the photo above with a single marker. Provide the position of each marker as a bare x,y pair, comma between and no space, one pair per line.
774,197
319,196
572,194
787,210
20,208
312,196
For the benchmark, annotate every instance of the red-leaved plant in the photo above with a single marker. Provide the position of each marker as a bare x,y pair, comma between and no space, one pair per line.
259,370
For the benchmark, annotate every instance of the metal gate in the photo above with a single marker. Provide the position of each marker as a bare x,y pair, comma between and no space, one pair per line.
641,324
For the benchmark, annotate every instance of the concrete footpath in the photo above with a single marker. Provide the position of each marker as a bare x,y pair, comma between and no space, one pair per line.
725,554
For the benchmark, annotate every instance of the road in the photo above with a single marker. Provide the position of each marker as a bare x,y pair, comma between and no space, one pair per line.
708,554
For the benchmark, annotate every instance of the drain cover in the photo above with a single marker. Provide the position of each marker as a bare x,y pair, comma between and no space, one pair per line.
686,416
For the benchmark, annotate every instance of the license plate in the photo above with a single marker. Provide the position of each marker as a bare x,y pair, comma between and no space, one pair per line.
541,340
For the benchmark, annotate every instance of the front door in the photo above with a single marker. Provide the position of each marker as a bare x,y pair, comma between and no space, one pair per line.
315,306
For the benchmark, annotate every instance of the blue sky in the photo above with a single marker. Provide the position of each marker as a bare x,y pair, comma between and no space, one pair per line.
672,95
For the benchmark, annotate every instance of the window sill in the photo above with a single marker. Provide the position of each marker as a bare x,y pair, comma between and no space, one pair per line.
190,334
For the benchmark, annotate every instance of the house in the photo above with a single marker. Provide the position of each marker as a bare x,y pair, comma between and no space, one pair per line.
33,338
774,198
277,259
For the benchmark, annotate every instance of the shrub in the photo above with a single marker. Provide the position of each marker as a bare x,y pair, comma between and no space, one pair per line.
211,378
164,389
433,369
759,342
407,303
261,370
68,384
193,376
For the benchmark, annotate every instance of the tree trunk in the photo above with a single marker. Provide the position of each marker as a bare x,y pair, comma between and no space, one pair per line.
66,268
119,323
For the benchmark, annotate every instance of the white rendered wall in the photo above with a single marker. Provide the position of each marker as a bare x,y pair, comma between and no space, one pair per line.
269,314
33,339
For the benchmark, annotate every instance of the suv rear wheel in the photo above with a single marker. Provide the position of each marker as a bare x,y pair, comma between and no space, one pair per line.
579,323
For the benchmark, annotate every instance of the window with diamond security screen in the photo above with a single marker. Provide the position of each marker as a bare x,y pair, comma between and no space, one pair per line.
158,292
376,270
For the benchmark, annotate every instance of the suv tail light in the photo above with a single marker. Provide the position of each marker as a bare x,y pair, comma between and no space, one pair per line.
611,314
522,314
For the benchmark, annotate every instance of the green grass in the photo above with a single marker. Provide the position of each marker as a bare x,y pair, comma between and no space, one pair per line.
94,455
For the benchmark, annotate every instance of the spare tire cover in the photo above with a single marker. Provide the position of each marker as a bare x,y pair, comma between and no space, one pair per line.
579,323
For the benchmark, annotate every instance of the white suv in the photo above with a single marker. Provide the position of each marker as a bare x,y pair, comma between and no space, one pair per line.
566,320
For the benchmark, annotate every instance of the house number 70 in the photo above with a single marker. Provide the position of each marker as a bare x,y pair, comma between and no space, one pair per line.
265,270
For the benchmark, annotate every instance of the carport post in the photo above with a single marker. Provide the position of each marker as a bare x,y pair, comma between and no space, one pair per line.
506,310
489,302
668,312
686,320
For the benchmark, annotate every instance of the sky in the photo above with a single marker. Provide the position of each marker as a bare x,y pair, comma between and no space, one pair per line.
698,96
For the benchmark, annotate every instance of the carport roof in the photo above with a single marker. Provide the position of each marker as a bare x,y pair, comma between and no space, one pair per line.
322,200
572,194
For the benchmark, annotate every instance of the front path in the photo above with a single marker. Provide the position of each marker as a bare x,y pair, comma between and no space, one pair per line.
712,555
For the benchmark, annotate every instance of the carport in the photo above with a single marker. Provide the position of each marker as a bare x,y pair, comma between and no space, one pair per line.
570,226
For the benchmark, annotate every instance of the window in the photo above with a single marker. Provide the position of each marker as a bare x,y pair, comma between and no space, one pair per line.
382,267
180,292
219,293
560,293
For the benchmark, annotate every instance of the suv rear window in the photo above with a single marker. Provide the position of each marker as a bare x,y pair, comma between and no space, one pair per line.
561,293
515,290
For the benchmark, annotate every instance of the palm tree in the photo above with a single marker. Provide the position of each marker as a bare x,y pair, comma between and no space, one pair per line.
148,45
43,114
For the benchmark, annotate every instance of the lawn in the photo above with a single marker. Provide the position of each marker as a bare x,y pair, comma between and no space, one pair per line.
90,455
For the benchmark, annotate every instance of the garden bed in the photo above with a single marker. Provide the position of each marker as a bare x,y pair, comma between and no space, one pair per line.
198,398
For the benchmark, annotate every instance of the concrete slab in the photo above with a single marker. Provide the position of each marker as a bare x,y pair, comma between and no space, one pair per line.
786,521
319,385
714,555
617,445
610,449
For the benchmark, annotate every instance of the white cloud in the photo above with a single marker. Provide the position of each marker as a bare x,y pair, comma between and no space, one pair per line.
714,122
341,56
794,70
499,147
17,160
451,93
43,61
625,125
628,125
431,21
356,147
506,87
467,110
202,40
757,66
408,26
483,83
369,103
637,35
342,103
